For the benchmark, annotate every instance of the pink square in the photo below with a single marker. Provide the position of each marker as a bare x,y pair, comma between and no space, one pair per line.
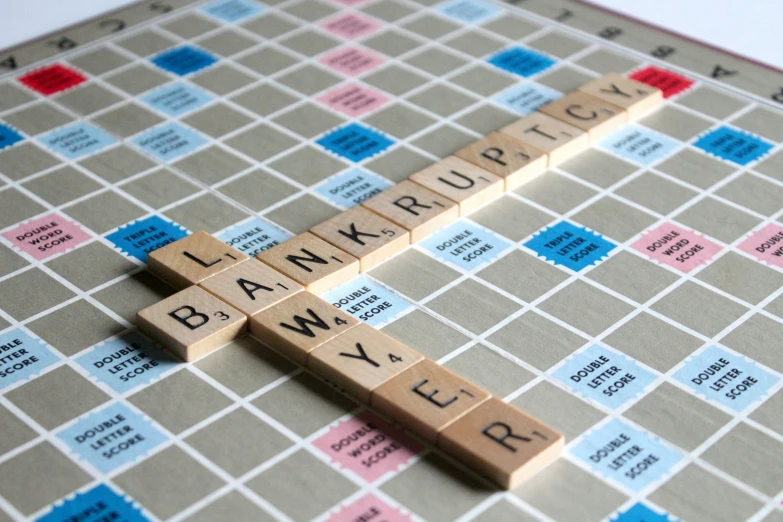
351,61
674,246
766,244
351,26
369,507
368,446
353,99
351,3
46,236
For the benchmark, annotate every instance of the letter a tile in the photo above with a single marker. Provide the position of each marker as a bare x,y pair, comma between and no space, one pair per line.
311,261
192,323
361,359
251,286
298,325
418,210
512,160
192,259
460,181
365,235
426,398
502,443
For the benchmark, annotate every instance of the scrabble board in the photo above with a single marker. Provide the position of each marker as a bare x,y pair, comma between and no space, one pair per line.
630,297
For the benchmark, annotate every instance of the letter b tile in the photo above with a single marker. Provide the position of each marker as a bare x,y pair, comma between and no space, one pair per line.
192,323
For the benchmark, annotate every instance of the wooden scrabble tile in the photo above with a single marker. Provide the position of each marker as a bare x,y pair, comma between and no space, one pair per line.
365,235
557,139
512,160
296,326
361,359
593,115
311,261
460,181
251,286
192,323
426,398
635,97
502,443
415,208
192,259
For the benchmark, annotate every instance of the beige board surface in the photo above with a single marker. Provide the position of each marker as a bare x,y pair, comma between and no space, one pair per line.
502,443
593,115
426,398
556,138
193,259
296,326
365,235
192,323
361,359
464,183
510,159
418,210
251,286
635,97
312,262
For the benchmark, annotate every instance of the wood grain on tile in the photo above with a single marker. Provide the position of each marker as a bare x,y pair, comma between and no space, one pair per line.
557,139
192,259
466,184
312,262
365,235
418,210
510,159
192,323
635,97
593,115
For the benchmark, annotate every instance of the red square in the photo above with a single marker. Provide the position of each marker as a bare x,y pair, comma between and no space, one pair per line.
52,79
670,83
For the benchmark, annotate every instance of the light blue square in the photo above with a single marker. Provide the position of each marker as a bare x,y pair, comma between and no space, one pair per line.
126,362
21,357
253,235
77,140
571,246
639,144
169,142
372,303
176,99
522,62
732,380
352,187
606,377
469,11
526,97
112,437
355,142
139,238
465,244
733,145
233,10
626,455
100,504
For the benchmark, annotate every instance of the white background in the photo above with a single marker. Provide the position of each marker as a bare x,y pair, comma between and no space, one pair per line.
750,28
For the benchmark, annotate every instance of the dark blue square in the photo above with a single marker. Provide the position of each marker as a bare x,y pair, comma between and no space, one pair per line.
139,238
355,142
733,145
570,246
100,503
8,136
523,62
184,60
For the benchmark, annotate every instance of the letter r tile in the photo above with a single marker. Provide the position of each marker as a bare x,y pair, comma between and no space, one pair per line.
192,323
193,259
468,185
502,443
426,398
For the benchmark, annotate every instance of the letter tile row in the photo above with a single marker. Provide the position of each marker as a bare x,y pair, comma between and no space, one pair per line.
225,294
